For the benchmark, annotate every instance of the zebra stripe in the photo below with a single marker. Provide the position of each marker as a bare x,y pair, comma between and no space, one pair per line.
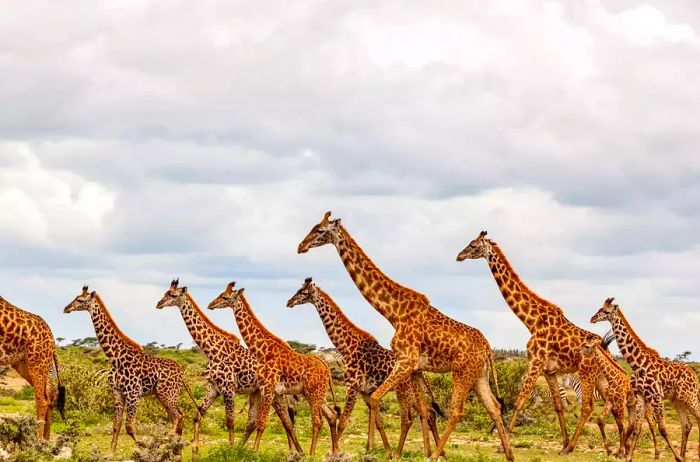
540,394
572,381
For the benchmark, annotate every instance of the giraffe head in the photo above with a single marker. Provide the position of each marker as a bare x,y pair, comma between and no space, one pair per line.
325,232
229,298
478,248
607,312
304,295
589,344
85,301
174,296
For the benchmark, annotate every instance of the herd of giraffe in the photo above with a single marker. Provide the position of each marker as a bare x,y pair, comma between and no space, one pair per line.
426,340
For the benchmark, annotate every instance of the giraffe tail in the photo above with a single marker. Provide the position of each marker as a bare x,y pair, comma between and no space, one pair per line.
191,395
336,408
433,403
494,375
61,398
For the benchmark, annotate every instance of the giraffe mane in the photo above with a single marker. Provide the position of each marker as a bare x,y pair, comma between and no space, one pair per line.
516,278
372,266
209,323
609,358
119,332
341,313
260,325
636,337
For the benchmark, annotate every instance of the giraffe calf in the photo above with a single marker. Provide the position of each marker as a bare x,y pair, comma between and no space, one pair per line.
134,373
282,370
618,395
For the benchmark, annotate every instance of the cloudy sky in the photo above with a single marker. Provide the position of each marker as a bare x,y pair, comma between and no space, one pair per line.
141,141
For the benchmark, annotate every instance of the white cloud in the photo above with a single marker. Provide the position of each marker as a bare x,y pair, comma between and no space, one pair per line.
48,208
165,139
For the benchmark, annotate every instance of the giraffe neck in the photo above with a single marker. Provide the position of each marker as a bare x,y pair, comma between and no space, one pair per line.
344,335
201,329
255,335
389,298
518,296
609,365
633,349
115,344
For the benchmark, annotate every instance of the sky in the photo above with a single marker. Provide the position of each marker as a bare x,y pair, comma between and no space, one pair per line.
142,141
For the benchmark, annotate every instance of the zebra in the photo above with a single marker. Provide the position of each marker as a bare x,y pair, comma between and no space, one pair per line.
543,394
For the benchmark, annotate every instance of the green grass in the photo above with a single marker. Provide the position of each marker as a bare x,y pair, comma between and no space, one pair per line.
90,409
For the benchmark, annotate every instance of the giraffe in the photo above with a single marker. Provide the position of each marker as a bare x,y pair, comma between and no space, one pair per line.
134,373
367,364
425,338
231,368
555,342
653,379
618,396
281,369
27,344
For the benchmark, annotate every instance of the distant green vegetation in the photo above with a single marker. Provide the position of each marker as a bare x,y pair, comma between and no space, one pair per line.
90,403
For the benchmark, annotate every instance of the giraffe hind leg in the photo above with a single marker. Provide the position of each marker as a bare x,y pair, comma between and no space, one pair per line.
483,391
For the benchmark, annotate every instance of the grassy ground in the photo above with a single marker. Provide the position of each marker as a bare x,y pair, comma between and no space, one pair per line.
89,407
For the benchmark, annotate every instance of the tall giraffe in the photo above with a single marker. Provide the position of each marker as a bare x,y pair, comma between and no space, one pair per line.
231,368
555,342
367,364
134,373
653,379
425,339
619,393
27,344
281,369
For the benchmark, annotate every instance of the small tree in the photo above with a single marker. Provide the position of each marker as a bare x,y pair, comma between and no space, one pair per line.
59,340
301,347
89,342
682,357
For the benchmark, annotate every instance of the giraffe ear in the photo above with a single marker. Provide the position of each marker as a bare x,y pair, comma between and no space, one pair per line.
183,290
326,217
336,221
92,294
616,307
240,291
483,233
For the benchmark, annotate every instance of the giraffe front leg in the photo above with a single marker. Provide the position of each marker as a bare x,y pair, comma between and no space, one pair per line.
282,409
618,412
648,415
686,426
656,402
461,385
405,397
132,403
635,407
212,394
332,418
117,424
267,396
403,368
419,403
601,426
380,427
316,421
230,412
350,401
534,369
